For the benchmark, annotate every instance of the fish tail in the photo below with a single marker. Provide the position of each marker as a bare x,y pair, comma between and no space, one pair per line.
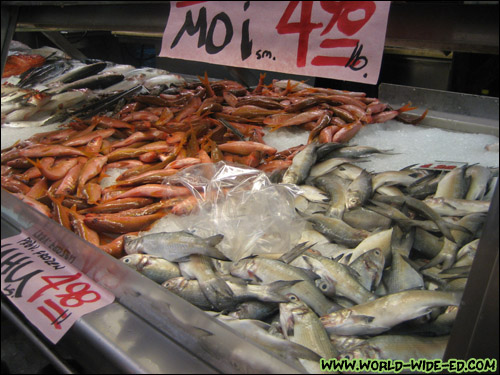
407,107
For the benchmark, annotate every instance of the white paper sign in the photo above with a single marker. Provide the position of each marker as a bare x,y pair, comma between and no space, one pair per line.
333,39
50,292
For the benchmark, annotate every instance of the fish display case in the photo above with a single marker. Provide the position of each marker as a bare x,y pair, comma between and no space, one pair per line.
150,330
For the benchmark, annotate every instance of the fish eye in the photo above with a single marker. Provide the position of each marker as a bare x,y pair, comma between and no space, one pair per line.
347,356
293,298
126,260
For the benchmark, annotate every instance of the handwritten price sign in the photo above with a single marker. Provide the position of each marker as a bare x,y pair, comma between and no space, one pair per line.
333,39
51,293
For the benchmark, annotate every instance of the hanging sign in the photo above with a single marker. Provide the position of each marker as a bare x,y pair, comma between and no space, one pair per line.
333,39
50,292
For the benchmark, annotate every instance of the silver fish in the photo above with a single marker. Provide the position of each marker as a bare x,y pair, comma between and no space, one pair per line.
153,267
270,270
367,219
401,276
301,165
404,178
398,347
313,194
380,315
258,332
214,288
337,230
479,177
93,82
302,326
457,207
423,209
191,291
359,190
334,186
166,79
254,310
357,151
326,166
174,246
453,185
381,240
467,253
369,266
448,253
344,279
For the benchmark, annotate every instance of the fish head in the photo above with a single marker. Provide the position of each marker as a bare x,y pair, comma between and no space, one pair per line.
326,285
353,202
131,244
176,284
245,269
132,260
287,320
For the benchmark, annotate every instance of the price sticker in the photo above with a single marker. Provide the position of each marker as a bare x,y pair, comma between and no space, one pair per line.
50,292
333,39
440,165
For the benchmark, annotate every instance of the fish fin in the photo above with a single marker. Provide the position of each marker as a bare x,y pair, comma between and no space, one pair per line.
408,167
406,107
295,252
214,240
298,351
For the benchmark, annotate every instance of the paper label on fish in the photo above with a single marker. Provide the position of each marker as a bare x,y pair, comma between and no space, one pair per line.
51,293
333,39
440,165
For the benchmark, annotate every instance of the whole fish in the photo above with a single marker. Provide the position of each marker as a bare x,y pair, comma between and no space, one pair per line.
422,208
479,177
301,165
357,151
313,194
78,72
457,207
328,165
269,270
92,82
155,268
359,190
380,315
467,253
254,310
367,219
175,246
380,240
258,331
369,266
401,276
215,289
166,79
344,279
404,178
448,253
399,347
337,230
453,185
334,186
191,291
301,325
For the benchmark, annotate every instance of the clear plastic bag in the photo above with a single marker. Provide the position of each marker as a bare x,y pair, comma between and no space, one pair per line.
254,215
